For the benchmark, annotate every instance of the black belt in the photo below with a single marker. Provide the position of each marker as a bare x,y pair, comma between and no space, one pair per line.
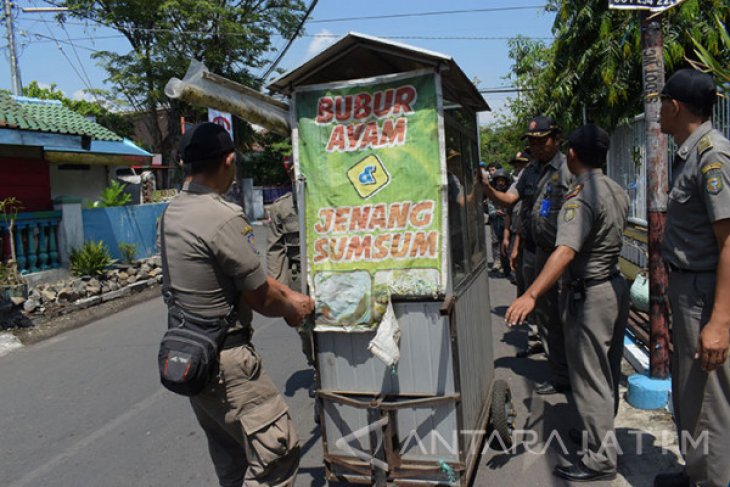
236,339
592,282
679,270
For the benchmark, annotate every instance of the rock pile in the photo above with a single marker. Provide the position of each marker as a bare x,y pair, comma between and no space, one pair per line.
86,291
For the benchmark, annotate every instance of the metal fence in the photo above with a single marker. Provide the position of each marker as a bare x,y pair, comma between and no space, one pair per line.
627,158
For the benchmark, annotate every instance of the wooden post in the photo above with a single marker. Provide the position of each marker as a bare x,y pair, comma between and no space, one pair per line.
657,184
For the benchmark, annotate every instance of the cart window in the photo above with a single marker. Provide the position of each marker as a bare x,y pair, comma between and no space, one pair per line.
457,195
466,219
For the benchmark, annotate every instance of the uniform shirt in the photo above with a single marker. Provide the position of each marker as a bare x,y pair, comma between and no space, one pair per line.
283,244
515,211
591,222
526,188
700,196
555,181
211,253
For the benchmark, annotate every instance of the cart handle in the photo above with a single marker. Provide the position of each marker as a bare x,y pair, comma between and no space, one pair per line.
380,403
448,305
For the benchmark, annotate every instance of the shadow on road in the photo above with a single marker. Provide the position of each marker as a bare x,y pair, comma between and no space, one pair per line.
298,380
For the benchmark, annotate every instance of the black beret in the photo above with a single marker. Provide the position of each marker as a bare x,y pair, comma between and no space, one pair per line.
589,137
693,87
542,126
206,141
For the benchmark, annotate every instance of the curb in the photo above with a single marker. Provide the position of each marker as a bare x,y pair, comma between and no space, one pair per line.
8,343
78,316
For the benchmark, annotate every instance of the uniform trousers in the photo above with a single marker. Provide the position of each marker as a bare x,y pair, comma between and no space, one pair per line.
526,271
594,334
549,323
251,437
701,400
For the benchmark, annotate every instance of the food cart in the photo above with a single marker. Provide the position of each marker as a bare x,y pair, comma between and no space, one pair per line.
386,148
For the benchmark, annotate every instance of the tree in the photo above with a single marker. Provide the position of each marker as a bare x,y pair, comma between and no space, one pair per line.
116,122
593,66
500,141
265,164
231,37
707,62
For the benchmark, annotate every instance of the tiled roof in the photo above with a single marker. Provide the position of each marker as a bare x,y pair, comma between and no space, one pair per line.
48,116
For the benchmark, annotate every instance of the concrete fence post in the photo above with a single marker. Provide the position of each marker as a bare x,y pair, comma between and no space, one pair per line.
71,228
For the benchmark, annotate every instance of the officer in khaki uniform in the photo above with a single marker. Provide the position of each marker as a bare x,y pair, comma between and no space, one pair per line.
541,188
696,248
283,256
213,267
595,304
555,180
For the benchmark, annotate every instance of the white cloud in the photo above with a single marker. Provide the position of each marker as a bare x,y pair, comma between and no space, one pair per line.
82,95
322,40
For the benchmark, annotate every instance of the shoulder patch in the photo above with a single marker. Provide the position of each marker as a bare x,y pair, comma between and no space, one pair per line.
568,215
711,166
574,192
704,144
569,206
248,234
714,185
556,177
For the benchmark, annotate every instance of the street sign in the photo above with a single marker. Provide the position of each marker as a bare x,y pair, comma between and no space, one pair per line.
653,5
221,118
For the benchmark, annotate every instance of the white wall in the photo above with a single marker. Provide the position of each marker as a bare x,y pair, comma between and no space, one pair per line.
86,184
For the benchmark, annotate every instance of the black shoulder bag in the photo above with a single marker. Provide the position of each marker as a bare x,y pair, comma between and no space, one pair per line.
188,355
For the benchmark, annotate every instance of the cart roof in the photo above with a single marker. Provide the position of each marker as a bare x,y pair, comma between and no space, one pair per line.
357,56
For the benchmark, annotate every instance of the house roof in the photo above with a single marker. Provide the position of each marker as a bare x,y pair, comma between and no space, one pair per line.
48,116
357,56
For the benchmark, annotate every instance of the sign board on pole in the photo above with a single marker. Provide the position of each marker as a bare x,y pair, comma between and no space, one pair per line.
369,152
653,5
221,118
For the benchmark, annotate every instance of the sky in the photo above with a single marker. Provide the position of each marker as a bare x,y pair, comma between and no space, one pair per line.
476,39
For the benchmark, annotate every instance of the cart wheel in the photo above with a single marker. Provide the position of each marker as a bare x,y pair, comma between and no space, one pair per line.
502,416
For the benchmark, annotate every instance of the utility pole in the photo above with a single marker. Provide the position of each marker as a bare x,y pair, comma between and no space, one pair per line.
16,84
657,178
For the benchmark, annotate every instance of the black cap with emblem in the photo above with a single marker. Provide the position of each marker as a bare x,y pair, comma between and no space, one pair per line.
205,141
542,126
692,87
591,144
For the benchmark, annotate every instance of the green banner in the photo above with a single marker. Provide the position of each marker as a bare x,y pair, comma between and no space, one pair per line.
370,156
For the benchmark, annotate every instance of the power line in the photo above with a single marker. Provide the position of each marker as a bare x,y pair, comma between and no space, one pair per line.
56,41
291,41
58,45
76,53
424,14
415,36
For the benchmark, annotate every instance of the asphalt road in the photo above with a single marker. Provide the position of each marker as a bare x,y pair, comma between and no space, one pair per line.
86,409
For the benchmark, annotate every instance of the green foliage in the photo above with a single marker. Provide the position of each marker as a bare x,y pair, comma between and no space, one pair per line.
91,259
708,62
117,123
265,165
233,38
128,251
114,195
594,63
500,141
